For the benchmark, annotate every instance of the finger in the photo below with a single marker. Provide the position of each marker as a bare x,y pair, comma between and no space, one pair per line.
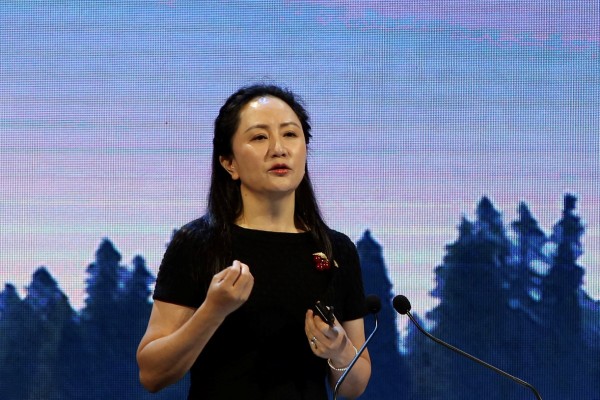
314,344
233,273
318,322
313,341
221,275
245,292
311,328
324,328
245,284
335,321
244,280
315,323
309,323
242,272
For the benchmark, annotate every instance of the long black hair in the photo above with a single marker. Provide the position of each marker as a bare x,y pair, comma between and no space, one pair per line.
224,197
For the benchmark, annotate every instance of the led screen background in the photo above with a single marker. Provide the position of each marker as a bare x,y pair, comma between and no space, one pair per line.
418,110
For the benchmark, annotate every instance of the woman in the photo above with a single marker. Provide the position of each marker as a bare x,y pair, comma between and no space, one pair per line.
249,330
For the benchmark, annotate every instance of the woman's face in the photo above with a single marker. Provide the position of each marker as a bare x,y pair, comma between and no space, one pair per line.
269,149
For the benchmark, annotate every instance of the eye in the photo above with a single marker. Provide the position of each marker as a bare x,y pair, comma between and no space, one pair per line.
290,134
259,137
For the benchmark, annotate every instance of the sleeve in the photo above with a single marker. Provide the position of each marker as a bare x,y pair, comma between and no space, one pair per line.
350,280
178,279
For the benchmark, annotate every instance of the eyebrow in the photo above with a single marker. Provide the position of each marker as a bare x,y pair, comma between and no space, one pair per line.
265,126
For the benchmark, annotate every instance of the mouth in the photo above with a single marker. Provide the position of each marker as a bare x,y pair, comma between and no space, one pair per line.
279,168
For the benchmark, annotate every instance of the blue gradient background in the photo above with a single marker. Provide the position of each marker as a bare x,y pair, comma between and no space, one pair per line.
418,110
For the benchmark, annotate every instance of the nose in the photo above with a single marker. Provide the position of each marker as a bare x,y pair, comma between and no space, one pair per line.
277,149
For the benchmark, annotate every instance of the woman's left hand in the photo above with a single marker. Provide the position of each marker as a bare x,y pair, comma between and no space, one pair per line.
329,342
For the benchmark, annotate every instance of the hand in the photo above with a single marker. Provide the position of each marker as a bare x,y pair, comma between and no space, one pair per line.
230,288
328,341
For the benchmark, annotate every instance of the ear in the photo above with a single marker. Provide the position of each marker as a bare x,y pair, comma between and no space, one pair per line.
229,165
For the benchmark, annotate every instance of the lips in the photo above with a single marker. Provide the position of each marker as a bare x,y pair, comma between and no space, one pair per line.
279,168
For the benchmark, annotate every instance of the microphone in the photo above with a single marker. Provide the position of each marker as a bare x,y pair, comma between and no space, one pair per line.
373,306
402,305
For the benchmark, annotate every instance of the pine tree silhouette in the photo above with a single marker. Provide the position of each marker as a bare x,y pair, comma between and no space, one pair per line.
15,355
112,324
9,298
419,358
562,336
102,324
390,377
561,286
53,315
103,283
133,314
516,305
529,263
472,285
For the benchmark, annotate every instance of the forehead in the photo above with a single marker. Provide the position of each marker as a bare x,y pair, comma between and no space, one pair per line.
267,108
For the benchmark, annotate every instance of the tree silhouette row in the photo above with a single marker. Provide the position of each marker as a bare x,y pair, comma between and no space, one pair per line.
513,298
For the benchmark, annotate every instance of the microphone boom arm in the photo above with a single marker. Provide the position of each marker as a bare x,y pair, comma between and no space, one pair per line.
354,360
473,358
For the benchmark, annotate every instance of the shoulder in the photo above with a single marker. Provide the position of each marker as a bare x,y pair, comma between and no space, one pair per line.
187,242
348,285
339,240
181,269
195,230
185,248
197,226
344,249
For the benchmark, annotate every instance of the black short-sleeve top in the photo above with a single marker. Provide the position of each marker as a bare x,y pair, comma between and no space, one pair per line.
261,351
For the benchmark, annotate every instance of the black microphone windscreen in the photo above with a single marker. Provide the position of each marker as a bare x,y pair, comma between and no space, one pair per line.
401,304
373,303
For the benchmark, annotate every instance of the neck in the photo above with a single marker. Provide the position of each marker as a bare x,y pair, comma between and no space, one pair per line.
267,213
